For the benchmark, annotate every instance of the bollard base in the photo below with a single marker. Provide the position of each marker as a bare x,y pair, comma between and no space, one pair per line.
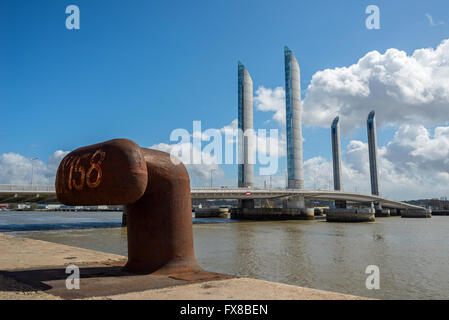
105,280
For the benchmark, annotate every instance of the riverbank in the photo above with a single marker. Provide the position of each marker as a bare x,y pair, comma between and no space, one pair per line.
22,257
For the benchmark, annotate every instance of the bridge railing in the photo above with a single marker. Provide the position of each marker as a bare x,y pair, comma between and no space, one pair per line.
14,187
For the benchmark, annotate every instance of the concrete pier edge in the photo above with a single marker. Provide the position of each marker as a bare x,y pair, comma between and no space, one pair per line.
417,214
350,215
272,214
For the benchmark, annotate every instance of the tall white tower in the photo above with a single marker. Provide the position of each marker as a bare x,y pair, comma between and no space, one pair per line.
245,125
294,127
372,147
336,153
294,121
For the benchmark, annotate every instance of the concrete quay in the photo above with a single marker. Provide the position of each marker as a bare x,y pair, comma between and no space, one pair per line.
35,270
272,214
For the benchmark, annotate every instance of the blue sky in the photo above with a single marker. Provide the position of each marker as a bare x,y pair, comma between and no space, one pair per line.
139,69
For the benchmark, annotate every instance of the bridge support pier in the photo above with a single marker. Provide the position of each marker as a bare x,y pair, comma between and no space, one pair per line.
395,212
417,213
380,212
340,204
246,204
350,215
296,203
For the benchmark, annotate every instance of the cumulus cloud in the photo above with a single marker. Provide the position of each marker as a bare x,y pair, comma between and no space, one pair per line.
318,174
270,146
413,165
408,92
401,88
270,143
17,169
200,173
271,100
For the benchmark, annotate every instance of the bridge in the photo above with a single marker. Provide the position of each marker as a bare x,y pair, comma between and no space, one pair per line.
47,194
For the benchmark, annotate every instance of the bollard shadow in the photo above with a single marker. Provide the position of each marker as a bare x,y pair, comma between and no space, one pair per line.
98,281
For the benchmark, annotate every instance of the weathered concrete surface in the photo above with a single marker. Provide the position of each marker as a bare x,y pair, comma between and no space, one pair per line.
234,289
21,253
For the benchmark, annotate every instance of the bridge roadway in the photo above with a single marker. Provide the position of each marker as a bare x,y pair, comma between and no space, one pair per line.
47,194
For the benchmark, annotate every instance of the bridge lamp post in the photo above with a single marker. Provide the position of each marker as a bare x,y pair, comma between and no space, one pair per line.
32,168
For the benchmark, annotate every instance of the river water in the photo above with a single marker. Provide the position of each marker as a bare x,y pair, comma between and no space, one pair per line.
412,254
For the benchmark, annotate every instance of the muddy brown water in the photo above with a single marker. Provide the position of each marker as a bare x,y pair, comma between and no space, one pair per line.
412,254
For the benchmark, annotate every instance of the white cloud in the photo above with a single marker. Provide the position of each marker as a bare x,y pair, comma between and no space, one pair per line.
430,19
318,174
264,143
432,22
199,173
272,146
409,92
17,169
413,165
271,100
401,88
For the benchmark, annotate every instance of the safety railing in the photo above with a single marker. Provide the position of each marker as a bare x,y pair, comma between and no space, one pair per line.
33,188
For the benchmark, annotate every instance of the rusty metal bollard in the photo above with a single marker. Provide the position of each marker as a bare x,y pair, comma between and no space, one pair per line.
156,195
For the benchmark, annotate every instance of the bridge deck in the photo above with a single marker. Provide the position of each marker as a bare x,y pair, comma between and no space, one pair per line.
47,194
